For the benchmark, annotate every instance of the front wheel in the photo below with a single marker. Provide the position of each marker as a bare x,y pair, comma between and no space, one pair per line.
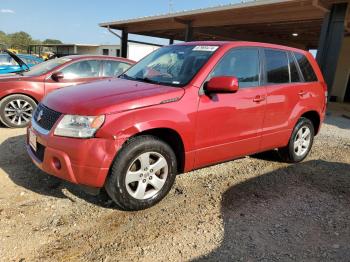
16,110
142,173
300,142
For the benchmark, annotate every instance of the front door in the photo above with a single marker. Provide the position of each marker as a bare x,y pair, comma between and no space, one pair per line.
229,124
74,74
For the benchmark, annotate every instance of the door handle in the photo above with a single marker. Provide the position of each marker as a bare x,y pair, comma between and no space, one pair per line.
302,93
258,99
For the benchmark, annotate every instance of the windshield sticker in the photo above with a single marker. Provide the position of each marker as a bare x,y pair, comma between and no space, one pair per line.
208,48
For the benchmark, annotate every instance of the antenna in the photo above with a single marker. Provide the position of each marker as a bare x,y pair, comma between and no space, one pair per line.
170,6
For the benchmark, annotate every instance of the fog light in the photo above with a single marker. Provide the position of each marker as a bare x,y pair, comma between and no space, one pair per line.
57,163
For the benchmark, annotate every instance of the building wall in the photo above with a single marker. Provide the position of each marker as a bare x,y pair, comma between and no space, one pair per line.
87,50
343,71
112,49
138,51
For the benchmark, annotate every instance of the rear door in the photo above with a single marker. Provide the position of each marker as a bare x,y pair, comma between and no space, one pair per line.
229,124
285,88
76,73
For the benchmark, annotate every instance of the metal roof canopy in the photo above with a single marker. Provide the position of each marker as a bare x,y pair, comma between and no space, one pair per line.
272,21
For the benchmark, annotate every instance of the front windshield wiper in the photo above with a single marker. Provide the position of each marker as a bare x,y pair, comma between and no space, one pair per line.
142,79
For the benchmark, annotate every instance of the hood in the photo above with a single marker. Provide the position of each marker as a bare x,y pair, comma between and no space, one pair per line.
109,96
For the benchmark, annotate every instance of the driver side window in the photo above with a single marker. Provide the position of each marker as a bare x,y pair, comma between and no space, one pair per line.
82,69
242,63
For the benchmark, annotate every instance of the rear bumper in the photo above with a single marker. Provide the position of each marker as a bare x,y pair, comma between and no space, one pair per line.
80,161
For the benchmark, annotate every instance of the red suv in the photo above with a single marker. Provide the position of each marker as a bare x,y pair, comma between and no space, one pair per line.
183,107
20,92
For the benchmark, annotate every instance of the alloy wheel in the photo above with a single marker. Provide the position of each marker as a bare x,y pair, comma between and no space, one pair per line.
18,112
302,141
146,175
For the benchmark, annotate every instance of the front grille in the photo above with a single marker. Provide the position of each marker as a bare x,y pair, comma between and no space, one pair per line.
40,152
45,117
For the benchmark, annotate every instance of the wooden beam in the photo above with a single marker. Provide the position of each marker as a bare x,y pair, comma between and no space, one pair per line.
320,5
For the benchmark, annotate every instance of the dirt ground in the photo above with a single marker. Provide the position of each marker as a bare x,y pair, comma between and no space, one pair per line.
252,209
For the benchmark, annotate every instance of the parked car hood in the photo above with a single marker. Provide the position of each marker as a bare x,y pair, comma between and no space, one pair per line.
109,96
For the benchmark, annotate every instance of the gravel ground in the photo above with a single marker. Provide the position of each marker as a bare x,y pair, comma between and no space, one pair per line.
251,209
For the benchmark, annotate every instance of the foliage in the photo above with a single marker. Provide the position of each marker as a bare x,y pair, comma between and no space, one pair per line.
51,41
21,41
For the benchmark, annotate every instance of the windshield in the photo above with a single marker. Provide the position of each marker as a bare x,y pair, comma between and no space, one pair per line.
172,65
5,59
45,67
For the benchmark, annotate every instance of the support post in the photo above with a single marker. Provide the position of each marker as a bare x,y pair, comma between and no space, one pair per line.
189,32
332,35
124,43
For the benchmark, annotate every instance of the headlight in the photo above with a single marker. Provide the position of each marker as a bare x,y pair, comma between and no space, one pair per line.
79,126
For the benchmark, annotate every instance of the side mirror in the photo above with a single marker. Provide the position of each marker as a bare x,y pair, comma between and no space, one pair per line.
222,84
57,76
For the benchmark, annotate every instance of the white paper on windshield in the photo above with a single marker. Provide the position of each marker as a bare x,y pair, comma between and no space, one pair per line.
208,48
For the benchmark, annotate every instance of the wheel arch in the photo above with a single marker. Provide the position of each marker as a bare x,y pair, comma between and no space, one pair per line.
315,118
20,93
172,138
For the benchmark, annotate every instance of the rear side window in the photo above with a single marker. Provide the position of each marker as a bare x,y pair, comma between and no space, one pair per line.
241,63
306,68
276,63
294,74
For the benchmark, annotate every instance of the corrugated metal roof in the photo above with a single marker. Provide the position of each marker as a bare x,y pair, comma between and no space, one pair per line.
243,4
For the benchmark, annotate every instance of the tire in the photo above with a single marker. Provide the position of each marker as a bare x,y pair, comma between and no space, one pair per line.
297,151
125,185
16,110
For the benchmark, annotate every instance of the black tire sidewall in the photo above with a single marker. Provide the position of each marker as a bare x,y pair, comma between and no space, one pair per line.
8,99
115,184
301,123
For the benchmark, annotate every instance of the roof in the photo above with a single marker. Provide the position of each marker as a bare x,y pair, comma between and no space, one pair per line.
241,43
104,57
272,21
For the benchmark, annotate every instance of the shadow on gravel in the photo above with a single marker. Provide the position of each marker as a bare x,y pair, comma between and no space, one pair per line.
271,156
338,121
20,169
298,213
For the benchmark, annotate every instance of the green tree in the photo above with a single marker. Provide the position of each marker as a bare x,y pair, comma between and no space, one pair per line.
20,40
4,40
51,41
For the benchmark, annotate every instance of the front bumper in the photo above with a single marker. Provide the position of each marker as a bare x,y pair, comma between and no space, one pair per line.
80,161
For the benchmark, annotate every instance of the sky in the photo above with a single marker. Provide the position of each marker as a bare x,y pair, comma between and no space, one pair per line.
76,21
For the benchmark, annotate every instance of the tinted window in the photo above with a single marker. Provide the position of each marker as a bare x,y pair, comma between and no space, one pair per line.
82,69
294,74
114,68
276,66
306,68
241,63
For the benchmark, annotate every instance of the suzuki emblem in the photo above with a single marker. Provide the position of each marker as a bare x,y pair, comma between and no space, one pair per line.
40,115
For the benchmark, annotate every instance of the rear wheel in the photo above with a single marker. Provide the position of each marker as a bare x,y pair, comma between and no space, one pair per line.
300,142
142,173
16,110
